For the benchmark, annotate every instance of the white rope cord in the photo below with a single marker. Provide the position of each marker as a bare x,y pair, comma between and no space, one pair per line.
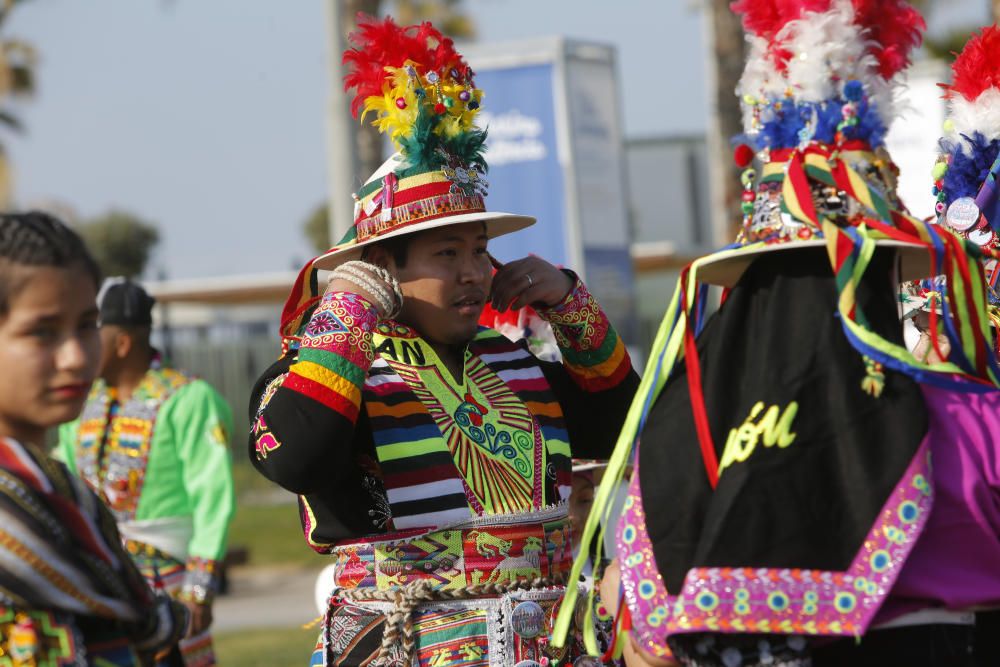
387,292
405,599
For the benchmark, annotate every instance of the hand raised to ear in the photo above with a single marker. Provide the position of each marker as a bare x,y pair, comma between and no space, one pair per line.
528,281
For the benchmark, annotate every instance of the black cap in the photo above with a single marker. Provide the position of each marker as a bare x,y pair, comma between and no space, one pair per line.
126,303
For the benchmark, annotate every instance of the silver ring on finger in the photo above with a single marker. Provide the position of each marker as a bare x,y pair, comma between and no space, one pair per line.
530,281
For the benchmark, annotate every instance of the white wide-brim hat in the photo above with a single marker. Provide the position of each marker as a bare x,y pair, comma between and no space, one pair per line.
400,221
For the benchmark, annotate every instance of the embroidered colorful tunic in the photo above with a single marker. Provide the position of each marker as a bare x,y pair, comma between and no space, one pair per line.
162,464
822,490
69,594
406,473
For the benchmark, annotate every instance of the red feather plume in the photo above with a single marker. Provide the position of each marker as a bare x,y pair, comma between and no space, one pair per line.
380,44
977,67
894,27
766,18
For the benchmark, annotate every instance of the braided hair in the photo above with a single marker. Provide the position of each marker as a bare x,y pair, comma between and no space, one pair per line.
39,239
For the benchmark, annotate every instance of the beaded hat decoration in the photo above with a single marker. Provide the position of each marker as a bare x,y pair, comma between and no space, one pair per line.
965,174
423,96
817,98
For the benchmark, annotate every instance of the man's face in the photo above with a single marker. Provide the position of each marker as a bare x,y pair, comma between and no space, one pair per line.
445,283
581,500
109,336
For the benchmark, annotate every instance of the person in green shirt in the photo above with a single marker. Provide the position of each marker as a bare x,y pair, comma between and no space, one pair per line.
152,441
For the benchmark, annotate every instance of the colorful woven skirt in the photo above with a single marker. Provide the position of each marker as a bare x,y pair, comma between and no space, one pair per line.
481,593
164,572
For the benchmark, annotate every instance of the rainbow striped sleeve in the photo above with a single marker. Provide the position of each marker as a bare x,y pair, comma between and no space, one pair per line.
335,353
593,354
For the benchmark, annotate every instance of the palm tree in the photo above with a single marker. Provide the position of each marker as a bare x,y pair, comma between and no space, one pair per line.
18,61
444,14
726,55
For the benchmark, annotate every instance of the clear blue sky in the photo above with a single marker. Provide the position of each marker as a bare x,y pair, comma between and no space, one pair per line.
206,116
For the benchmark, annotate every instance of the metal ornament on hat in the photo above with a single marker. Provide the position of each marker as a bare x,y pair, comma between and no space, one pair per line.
817,95
843,178
469,180
967,202
978,218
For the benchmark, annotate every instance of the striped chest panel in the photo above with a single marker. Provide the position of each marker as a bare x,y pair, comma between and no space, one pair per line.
113,441
451,450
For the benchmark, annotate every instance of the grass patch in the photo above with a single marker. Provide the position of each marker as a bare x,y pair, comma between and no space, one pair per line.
249,482
265,648
272,535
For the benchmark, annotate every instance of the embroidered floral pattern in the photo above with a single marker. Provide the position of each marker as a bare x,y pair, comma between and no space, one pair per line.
333,356
592,352
578,322
340,322
779,601
37,638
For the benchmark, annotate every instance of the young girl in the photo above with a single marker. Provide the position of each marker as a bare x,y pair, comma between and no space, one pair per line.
69,594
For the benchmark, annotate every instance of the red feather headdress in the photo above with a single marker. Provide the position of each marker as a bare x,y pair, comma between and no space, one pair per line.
977,68
892,28
379,45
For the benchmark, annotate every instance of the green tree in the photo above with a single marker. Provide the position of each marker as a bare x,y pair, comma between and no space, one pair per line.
446,15
18,60
120,241
316,228
946,46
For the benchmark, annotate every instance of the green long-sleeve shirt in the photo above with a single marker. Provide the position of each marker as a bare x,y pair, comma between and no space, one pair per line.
162,454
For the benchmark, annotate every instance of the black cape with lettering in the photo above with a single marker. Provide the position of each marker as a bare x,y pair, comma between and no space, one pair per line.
778,339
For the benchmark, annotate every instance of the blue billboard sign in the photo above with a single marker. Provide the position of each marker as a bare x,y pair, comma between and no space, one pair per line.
525,176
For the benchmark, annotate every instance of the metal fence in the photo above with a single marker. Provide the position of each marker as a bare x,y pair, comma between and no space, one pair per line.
232,368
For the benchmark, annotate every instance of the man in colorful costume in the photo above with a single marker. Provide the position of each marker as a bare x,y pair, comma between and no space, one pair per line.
783,474
153,442
431,455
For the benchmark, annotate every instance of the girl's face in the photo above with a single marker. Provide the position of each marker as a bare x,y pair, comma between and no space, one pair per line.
49,350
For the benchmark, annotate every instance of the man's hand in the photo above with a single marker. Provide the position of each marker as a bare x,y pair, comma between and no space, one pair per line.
201,618
528,281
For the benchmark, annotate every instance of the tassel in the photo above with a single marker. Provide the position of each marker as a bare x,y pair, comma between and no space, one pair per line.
874,380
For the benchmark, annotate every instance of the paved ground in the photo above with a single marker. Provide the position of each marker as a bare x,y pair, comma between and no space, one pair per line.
271,597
